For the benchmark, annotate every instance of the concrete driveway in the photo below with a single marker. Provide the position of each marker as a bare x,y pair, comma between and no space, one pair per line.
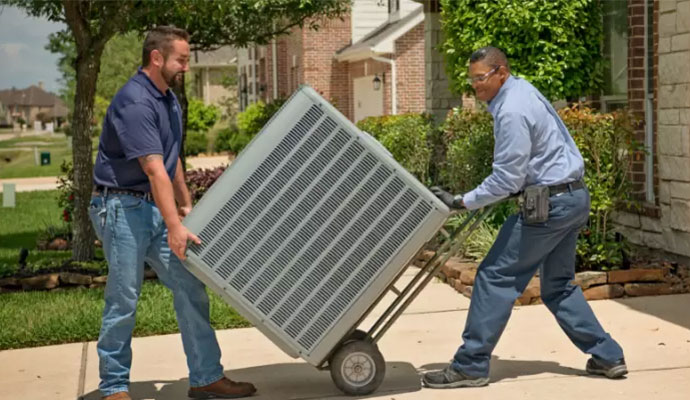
533,360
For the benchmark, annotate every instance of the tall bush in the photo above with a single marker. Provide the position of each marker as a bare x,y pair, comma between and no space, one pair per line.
468,140
201,117
607,143
554,44
249,123
196,143
256,115
406,138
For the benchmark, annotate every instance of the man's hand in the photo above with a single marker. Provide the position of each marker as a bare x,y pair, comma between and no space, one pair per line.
177,240
447,198
182,211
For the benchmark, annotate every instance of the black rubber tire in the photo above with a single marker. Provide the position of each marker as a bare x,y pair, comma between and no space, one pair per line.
357,368
357,334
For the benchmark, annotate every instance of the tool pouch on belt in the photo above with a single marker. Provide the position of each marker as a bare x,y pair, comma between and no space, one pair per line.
535,204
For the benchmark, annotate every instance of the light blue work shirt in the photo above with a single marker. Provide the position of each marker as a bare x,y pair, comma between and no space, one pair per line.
532,145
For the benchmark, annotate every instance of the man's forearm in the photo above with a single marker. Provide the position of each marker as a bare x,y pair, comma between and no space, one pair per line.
161,187
163,196
180,187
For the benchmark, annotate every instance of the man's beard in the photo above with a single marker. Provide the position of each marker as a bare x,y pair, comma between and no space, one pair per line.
172,79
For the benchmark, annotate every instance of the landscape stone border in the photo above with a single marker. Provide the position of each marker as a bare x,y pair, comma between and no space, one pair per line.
643,280
58,281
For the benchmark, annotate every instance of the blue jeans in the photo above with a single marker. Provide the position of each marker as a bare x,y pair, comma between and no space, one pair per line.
132,231
503,275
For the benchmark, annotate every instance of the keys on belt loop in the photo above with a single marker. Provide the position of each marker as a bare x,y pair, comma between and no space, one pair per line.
103,212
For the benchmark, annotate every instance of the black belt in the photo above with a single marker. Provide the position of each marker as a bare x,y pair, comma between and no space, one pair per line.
566,187
148,196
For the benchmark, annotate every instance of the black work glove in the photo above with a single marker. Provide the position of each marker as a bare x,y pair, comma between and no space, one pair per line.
447,198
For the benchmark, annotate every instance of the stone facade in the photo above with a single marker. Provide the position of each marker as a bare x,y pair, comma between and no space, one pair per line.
674,124
439,98
667,226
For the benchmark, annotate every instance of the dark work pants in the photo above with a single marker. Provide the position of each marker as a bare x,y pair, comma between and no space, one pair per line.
507,269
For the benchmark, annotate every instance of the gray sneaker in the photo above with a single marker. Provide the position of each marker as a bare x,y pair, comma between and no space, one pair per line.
611,370
448,378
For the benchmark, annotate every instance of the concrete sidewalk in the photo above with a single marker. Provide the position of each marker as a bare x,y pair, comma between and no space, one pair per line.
50,182
534,359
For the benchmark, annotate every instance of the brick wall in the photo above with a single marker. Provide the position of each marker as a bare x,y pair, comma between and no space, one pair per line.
330,78
294,52
409,60
636,91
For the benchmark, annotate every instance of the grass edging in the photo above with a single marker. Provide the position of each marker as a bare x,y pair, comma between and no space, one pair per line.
41,318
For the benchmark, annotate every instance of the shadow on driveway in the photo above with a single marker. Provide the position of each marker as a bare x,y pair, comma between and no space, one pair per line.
295,381
511,369
672,308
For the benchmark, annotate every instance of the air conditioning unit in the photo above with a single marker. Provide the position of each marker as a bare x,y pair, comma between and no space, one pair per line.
309,227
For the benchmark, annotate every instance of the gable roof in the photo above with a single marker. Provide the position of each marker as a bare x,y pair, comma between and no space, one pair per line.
220,57
382,39
31,96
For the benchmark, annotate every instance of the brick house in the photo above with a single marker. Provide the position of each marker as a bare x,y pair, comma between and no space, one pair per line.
368,63
647,44
211,72
32,104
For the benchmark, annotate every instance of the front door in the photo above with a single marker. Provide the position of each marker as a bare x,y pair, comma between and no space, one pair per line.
368,102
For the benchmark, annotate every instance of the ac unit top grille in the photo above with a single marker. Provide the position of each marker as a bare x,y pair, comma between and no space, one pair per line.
314,225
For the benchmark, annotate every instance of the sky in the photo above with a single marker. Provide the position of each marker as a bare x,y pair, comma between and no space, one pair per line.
23,58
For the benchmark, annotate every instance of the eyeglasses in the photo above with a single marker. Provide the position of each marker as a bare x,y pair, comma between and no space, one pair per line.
484,77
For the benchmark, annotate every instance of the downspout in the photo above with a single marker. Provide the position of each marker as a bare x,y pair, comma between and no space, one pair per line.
275,67
255,96
649,115
394,86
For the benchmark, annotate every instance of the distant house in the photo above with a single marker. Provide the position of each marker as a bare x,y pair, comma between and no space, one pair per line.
370,62
214,76
31,104
3,115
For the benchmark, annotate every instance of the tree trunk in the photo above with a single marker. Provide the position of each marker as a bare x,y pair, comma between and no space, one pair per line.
88,65
179,91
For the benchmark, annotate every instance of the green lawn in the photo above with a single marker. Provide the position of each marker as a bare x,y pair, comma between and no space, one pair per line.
50,317
21,226
30,319
18,160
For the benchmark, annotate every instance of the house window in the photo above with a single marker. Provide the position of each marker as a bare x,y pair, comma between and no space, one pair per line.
615,53
393,6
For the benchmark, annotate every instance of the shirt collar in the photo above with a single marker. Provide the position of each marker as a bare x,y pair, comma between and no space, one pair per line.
145,81
498,99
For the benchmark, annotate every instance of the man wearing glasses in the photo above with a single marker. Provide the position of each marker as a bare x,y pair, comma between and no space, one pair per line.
533,149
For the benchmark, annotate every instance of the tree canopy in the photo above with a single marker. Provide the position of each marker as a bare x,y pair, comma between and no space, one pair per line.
556,44
211,23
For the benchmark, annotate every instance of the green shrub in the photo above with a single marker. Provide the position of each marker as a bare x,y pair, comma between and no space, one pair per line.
256,115
230,139
554,44
607,143
406,136
195,143
468,140
201,118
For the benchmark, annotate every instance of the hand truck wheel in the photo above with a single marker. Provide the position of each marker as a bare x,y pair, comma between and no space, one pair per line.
357,368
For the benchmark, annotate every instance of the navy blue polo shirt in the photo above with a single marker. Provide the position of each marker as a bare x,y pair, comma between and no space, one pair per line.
140,121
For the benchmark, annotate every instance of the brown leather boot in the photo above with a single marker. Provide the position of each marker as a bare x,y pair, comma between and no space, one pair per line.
118,396
223,388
